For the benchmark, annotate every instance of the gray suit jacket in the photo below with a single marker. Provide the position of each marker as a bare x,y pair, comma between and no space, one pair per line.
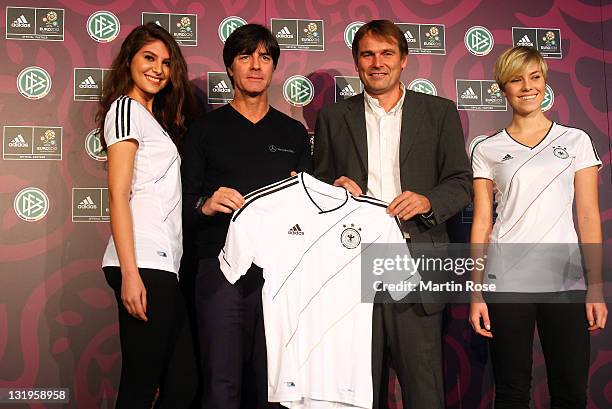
433,160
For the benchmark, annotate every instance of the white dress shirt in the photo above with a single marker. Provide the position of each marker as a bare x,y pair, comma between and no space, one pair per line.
383,130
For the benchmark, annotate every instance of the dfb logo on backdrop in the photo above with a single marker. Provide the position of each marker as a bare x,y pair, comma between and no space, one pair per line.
94,147
90,205
34,82
161,19
228,25
424,86
350,31
347,87
424,38
89,83
28,23
549,99
298,34
298,90
546,40
220,90
478,41
479,95
31,204
103,26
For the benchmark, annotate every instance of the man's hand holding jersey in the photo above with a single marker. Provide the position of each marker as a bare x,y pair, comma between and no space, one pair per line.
405,206
224,200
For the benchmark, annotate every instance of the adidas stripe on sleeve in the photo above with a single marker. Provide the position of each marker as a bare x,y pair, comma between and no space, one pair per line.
121,121
586,154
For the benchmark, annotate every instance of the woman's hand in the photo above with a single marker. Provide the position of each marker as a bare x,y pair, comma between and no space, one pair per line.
134,295
479,310
597,314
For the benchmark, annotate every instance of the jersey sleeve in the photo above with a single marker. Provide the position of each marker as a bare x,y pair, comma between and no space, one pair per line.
480,165
241,244
586,155
122,122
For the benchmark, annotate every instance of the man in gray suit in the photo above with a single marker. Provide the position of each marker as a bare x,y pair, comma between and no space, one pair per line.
405,148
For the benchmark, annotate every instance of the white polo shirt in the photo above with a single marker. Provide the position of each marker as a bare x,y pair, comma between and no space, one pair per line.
534,189
306,236
155,198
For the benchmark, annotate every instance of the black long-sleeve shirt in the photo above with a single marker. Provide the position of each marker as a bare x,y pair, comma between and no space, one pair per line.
223,148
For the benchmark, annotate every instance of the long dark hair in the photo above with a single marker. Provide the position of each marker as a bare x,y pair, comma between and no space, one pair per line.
174,106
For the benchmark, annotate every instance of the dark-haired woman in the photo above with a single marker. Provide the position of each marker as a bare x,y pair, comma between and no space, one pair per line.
536,168
142,116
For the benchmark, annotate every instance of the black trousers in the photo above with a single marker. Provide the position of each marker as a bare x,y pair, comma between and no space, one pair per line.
157,353
565,342
408,339
232,339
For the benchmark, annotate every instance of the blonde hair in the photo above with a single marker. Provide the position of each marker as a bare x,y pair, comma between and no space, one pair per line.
514,60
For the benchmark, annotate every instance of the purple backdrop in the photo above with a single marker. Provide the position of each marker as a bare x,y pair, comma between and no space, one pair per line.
58,318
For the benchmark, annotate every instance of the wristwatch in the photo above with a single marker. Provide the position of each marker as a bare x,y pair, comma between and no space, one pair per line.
199,203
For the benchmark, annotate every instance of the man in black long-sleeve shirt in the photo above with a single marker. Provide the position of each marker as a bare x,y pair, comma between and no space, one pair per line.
227,153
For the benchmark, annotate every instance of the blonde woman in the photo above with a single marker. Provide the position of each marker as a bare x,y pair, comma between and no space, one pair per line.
536,168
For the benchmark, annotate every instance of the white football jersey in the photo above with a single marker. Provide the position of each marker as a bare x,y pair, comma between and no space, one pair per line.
308,237
534,190
155,198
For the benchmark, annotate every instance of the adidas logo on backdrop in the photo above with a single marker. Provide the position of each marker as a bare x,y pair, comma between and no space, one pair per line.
469,94
221,87
18,142
87,203
88,83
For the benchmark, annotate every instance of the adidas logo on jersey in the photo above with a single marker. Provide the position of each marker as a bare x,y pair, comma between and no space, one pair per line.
87,203
221,87
284,33
409,37
296,230
18,142
88,83
469,94
21,21
525,41
348,91
507,157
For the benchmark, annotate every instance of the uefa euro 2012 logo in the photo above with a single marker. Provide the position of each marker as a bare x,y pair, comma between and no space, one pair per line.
311,31
184,24
432,36
550,39
494,91
48,138
50,19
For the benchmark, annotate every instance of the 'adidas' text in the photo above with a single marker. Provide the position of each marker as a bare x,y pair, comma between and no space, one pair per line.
469,94
18,142
21,22
87,203
284,33
88,83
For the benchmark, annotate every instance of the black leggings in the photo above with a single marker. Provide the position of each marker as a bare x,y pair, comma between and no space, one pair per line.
158,353
565,342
